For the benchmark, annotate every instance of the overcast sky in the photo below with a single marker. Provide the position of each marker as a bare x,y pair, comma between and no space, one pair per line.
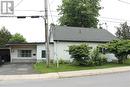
113,13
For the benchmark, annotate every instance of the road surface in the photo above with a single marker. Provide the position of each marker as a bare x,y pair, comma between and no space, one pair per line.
106,80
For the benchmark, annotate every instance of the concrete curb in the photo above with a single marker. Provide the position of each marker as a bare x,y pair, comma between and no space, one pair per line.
65,74
93,72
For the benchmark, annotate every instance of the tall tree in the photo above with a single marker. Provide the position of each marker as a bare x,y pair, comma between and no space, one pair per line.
123,32
17,38
5,35
79,13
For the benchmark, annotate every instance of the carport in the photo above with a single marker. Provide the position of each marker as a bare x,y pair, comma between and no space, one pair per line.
5,54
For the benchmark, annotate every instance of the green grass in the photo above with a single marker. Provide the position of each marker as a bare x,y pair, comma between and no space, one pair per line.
41,67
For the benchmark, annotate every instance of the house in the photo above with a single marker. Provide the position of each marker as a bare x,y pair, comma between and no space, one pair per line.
60,38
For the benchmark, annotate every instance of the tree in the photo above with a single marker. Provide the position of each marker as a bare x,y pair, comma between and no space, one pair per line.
5,35
123,32
17,38
121,49
79,13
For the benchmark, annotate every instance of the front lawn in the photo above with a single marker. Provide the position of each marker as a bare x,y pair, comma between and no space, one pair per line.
41,67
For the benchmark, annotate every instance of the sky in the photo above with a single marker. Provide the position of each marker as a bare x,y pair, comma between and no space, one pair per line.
112,14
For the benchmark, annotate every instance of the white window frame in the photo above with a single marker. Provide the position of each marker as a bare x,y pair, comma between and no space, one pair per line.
27,53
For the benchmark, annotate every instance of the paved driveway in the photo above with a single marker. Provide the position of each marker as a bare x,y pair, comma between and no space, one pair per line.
16,69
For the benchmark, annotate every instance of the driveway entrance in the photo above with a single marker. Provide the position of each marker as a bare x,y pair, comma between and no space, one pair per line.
16,69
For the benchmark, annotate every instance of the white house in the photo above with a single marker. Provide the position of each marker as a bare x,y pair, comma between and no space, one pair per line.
60,38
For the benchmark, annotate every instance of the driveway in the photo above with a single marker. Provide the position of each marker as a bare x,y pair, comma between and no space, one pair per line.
16,69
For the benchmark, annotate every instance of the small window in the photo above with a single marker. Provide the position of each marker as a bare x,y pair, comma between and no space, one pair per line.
24,53
43,54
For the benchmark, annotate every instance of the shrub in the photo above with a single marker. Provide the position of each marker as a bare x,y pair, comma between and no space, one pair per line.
121,49
44,61
62,61
98,58
80,54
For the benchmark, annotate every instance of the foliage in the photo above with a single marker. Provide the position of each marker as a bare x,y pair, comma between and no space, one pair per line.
41,67
62,61
80,54
5,35
79,13
121,48
17,38
123,31
98,58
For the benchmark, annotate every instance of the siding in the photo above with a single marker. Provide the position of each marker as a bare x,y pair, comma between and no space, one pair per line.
41,47
60,49
14,54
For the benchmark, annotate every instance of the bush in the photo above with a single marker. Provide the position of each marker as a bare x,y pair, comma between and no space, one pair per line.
98,58
80,54
44,61
62,61
121,49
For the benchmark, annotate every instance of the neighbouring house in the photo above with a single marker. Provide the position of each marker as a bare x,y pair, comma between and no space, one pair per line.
60,38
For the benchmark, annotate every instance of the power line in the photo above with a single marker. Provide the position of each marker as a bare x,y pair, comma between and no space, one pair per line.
22,17
31,10
18,3
108,18
124,2
113,19
36,11
118,22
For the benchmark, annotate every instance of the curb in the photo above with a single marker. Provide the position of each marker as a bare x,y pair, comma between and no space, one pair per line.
29,77
67,74
93,72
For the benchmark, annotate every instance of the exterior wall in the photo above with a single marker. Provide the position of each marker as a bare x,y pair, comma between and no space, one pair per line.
41,47
60,49
16,59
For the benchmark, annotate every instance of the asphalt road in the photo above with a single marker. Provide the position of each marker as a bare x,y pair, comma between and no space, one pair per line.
107,80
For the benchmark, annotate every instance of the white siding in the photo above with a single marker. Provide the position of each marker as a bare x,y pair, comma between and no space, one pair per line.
60,49
41,47
14,53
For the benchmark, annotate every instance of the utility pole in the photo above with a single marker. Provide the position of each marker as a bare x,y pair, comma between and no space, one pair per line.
46,33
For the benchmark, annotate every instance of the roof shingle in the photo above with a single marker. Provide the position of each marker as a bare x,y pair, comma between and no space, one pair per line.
63,33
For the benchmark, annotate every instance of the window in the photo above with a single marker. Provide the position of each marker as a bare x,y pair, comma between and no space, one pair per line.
43,54
24,53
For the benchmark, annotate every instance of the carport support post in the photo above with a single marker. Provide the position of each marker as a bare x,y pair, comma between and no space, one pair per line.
46,34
